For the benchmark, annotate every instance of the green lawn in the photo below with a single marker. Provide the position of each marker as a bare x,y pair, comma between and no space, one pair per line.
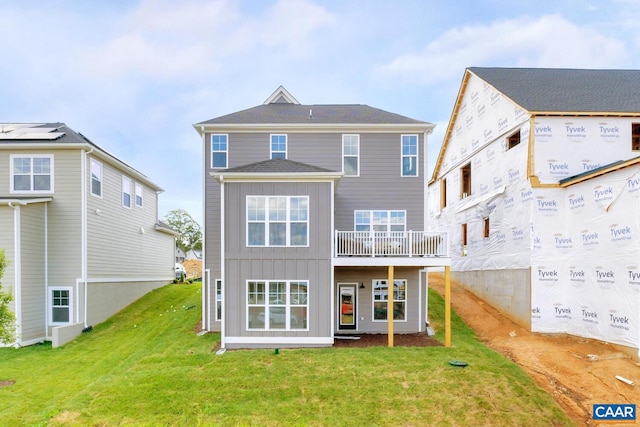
146,366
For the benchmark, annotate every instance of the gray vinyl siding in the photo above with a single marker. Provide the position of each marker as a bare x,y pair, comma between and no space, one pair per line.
122,242
312,263
364,307
33,268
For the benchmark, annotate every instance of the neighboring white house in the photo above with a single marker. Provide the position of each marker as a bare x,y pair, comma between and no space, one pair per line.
80,230
538,181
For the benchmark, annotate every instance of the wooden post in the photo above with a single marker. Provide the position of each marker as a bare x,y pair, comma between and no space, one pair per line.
390,306
447,306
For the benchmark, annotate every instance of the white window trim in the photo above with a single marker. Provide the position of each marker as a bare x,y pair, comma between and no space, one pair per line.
417,156
139,189
370,212
31,156
126,189
288,306
93,165
266,222
373,300
226,152
50,304
218,299
351,155
286,145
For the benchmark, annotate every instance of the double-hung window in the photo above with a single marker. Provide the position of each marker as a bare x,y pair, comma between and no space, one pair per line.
277,220
381,300
31,174
218,299
126,192
139,193
96,178
409,155
351,155
384,221
60,299
277,304
278,146
219,151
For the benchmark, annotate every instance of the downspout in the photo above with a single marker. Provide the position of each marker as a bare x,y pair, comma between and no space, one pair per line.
222,269
83,185
206,319
17,270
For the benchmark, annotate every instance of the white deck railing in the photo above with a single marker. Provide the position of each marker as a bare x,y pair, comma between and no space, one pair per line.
392,243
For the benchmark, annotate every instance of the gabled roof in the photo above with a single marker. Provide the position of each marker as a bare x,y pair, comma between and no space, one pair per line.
277,166
555,90
277,170
281,108
59,135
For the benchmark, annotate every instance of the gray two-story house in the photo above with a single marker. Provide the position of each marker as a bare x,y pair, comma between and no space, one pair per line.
80,232
314,223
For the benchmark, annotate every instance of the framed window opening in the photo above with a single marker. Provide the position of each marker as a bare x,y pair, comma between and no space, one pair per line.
96,178
126,192
464,239
513,140
443,193
384,221
465,181
409,152
60,305
485,228
31,173
139,193
278,221
278,146
380,298
277,305
351,155
219,151
635,137
218,313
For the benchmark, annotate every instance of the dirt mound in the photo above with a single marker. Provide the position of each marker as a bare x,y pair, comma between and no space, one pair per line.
577,372
193,268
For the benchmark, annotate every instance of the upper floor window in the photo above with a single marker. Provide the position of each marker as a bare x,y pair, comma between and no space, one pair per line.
60,305
351,155
139,193
278,146
635,137
126,192
96,178
380,220
409,155
31,173
277,304
219,151
513,140
465,181
277,220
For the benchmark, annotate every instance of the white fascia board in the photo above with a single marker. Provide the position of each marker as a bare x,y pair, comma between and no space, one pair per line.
280,340
25,201
276,177
306,127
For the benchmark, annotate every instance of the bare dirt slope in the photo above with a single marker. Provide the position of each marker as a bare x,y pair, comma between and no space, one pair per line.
578,372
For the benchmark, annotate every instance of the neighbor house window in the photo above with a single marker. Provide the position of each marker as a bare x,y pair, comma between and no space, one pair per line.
381,300
409,155
380,220
277,305
278,146
30,174
60,305
218,299
513,140
219,149
464,239
443,193
635,136
126,192
96,178
139,193
277,220
465,181
351,155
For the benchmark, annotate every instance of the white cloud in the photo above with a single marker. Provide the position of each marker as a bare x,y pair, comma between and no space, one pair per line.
547,41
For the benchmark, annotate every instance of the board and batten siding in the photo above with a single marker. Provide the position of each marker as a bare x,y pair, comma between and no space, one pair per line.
312,263
122,242
33,271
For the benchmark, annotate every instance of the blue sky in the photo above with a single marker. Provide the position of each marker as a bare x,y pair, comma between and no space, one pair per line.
134,76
